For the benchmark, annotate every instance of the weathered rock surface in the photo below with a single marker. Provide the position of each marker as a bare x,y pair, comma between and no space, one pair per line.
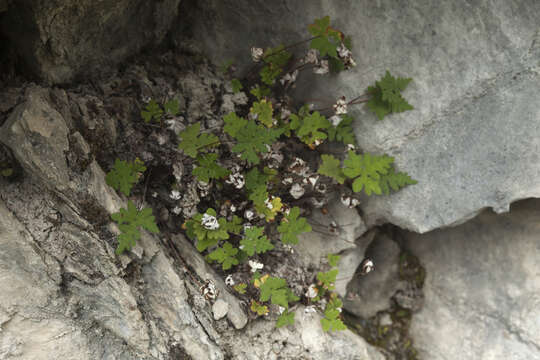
59,275
303,340
482,290
373,291
62,39
476,76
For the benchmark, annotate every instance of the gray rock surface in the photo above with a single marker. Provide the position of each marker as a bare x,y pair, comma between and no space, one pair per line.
482,290
372,292
65,294
62,39
476,76
303,340
324,239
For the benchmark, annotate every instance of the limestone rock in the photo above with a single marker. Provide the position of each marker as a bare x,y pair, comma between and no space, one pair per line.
475,74
220,309
482,287
324,239
372,292
304,339
62,39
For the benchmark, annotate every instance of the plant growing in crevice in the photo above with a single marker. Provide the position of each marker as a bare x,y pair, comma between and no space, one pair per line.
261,169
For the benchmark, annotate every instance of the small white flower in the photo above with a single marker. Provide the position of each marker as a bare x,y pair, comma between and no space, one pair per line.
299,167
254,265
335,120
320,187
312,57
208,290
241,247
312,291
237,180
366,266
154,194
229,280
288,247
257,54
297,191
285,113
210,222
268,203
233,208
351,147
340,107
281,309
249,214
310,309
342,51
349,201
338,309
318,142
176,210
175,195
322,68
287,181
313,179
289,78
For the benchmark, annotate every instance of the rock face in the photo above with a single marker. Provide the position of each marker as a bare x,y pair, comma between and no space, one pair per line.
61,39
475,73
482,290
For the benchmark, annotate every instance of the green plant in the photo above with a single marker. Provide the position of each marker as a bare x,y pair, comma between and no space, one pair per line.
124,175
255,167
129,221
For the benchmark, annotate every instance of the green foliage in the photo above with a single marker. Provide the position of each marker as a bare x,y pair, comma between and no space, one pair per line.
326,39
366,170
152,111
277,291
275,59
129,222
331,320
172,107
258,308
327,279
207,168
286,318
291,226
251,138
333,259
386,96
240,288
255,242
263,112
343,132
308,128
260,92
225,255
124,175
206,237
236,85
331,167
193,141
395,181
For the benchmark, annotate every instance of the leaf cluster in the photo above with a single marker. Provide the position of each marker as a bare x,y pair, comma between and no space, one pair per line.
275,60
129,221
371,173
251,137
225,255
208,168
292,225
154,112
124,175
332,320
326,38
343,132
386,96
310,128
207,238
193,141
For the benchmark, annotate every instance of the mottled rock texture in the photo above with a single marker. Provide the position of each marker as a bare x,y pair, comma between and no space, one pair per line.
60,40
482,290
